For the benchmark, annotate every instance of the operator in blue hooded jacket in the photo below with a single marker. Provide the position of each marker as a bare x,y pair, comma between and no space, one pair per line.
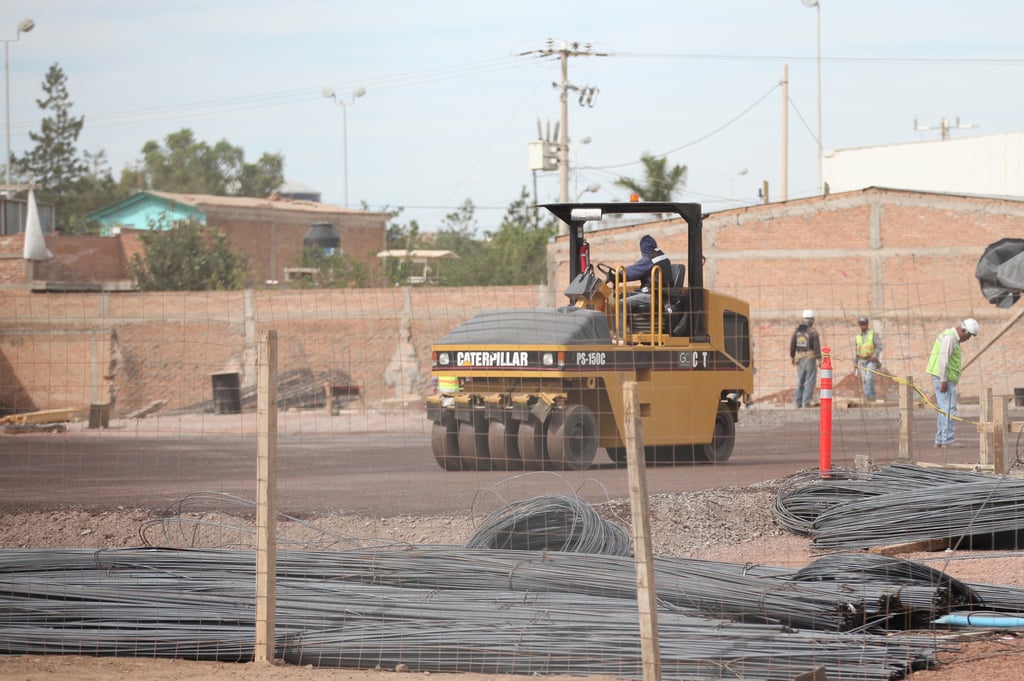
650,257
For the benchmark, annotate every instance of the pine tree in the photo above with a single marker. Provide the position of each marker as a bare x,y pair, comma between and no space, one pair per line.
54,162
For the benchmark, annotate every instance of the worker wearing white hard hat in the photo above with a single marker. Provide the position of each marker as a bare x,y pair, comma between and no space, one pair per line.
805,352
944,366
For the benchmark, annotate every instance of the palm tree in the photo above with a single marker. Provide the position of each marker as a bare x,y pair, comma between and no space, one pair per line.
660,183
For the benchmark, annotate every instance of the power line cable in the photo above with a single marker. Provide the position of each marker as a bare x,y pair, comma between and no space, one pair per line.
936,61
700,139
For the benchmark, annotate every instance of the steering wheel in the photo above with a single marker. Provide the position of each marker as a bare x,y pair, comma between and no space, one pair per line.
607,270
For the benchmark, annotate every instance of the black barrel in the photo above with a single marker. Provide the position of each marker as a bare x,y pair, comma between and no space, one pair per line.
323,235
227,393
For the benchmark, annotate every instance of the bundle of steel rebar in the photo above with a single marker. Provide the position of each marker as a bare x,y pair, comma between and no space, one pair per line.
805,496
899,503
906,594
551,522
200,605
970,514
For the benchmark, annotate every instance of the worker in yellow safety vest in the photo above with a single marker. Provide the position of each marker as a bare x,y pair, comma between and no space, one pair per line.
447,384
868,348
944,367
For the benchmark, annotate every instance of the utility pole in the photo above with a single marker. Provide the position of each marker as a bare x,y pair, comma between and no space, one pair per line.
944,126
564,49
784,184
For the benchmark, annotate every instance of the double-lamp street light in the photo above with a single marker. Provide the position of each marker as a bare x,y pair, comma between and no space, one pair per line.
24,27
330,94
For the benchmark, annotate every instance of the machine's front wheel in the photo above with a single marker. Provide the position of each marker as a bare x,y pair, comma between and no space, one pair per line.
572,441
531,444
444,440
724,439
503,443
473,446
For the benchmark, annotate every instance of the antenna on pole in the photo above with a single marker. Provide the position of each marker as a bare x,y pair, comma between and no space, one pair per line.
944,127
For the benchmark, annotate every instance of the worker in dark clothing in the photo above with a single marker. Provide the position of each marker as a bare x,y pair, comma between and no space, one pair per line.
650,257
805,352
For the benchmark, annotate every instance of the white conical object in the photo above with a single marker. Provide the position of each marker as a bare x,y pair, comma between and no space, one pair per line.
35,244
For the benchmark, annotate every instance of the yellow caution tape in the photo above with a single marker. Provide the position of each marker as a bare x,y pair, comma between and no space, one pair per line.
904,381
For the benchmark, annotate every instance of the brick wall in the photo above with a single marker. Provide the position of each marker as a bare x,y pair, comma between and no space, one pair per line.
84,258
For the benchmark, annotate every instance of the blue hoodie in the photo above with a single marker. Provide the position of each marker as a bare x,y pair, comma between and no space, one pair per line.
648,245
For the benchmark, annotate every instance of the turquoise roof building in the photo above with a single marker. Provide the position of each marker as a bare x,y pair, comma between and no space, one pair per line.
148,210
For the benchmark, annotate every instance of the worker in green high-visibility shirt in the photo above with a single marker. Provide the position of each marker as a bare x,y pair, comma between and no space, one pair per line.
944,368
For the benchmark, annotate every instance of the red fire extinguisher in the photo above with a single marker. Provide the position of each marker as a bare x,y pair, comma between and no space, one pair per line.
584,255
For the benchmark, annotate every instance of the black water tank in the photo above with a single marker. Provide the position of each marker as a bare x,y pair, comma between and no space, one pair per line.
323,235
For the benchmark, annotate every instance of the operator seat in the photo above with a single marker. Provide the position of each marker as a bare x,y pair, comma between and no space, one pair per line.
674,302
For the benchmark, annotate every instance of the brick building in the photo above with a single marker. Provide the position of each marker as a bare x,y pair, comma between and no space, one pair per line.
269,232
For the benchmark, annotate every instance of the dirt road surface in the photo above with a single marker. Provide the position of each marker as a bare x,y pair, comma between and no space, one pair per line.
380,462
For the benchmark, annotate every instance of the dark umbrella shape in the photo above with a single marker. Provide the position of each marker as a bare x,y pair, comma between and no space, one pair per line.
1000,272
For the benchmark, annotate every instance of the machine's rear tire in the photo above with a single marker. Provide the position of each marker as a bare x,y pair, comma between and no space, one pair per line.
617,455
531,444
724,439
572,441
503,445
473,446
675,454
444,440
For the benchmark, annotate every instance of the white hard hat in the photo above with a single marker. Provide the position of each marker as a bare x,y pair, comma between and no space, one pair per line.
970,325
808,314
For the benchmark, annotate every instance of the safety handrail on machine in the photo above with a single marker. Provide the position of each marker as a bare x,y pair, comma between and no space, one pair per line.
620,308
621,311
657,308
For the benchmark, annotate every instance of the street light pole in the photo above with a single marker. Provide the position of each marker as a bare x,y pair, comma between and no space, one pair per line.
817,7
24,27
589,189
358,92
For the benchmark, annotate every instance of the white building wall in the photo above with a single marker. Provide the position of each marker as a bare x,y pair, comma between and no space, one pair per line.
988,165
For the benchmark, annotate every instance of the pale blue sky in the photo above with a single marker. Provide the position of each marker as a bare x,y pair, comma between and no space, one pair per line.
450,107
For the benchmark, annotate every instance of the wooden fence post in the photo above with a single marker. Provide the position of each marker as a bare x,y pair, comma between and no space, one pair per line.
999,429
646,589
266,497
985,436
906,445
